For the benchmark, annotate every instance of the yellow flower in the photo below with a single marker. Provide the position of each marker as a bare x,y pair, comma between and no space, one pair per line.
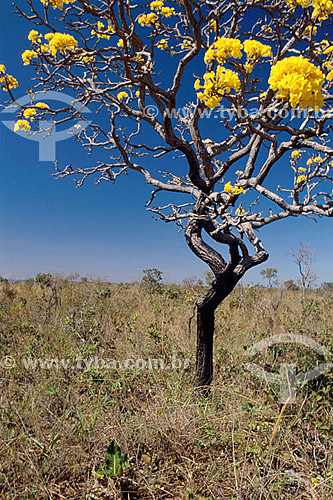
101,32
56,3
254,50
298,81
224,48
148,19
300,178
187,44
162,44
296,155
122,95
29,113
314,481
121,43
77,126
42,105
7,81
168,11
240,211
238,190
239,172
157,5
22,125
322,9
228,188
216,85
49,36
234,190
27,56
301,170
33,36
62,42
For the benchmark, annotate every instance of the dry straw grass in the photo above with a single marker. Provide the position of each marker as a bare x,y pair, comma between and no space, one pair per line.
238,444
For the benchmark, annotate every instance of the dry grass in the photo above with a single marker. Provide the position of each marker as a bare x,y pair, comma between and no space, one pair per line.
238,444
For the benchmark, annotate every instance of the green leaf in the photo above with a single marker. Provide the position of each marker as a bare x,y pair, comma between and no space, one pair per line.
114,459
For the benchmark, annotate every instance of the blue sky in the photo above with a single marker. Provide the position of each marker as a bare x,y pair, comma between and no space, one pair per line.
104,230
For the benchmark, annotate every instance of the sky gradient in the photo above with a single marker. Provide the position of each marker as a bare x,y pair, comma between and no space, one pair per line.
104,230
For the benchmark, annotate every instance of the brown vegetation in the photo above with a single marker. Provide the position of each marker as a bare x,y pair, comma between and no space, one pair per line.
239,443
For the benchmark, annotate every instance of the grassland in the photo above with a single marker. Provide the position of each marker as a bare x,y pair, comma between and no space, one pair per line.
240,443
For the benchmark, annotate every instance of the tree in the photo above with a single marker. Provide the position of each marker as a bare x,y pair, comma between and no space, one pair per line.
267,83
152,280
269,274
291,285
304,257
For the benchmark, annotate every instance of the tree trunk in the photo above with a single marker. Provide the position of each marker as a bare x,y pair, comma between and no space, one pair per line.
204,357
206,306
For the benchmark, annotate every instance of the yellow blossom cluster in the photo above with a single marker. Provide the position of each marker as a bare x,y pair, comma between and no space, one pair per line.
296,155
322,9
152,18
28,55
62,42
121,43
29,114
42,105
298,81
216,85
187,44
56,3
34,36
102,32
22,125
122,95
162,44
148,19
317,159
7,81
224,48
233,190
159,7
254,50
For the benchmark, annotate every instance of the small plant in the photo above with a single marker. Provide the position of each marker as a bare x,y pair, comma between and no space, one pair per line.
115,461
